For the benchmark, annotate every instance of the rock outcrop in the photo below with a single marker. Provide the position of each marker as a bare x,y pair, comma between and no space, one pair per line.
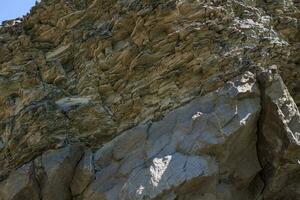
148,99
238,142
279,139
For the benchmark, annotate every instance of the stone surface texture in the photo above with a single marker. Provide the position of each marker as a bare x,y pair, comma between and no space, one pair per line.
151,99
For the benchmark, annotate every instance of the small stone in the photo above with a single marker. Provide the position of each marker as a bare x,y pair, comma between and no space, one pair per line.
69,103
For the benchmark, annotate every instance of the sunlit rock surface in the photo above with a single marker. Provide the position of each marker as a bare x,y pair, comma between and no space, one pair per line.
147,99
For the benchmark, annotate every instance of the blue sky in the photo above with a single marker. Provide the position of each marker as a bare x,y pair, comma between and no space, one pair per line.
10,9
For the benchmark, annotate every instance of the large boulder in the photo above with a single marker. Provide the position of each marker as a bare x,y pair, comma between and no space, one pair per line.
279,139
205,148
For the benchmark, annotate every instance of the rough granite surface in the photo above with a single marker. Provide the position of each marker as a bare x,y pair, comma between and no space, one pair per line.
151,99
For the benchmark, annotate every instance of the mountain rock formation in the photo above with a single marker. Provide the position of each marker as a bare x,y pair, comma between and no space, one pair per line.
151,99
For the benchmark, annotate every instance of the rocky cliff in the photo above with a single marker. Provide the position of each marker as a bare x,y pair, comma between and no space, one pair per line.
151,99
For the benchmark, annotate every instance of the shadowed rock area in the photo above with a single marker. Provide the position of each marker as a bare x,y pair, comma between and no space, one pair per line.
140,99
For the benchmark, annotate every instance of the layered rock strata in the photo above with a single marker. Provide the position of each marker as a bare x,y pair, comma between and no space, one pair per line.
146,99
219,146
88,70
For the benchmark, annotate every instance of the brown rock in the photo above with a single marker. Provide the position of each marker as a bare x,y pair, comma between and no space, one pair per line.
159,91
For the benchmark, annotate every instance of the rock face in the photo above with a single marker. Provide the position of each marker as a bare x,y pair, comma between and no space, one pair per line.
21,184
146,99
195,146
279,139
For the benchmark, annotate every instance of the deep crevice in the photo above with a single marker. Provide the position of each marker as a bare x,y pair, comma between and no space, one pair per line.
260,83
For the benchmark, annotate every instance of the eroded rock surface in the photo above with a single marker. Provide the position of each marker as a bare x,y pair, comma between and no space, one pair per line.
206,149
21,184
147,99
88,70
200,143
279,143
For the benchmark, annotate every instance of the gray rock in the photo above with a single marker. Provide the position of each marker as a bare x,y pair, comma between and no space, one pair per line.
129,141
279,141
106,180
21,184
200,144
59,166
103,156
2,145
162,87
91,70
165,173
69,103
84,173
135,159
